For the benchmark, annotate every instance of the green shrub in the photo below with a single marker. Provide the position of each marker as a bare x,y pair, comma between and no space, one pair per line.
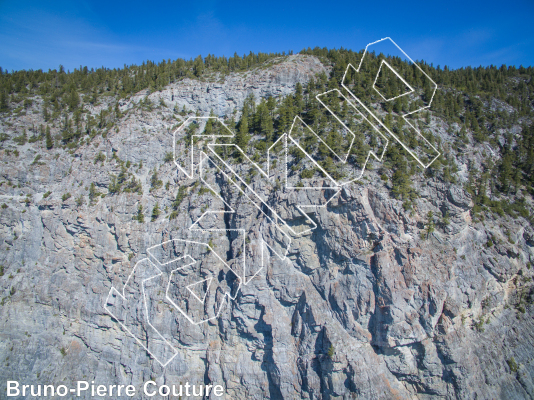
480,325
36,159
331,351
513,365
180,196
114,186
22,139
204,190
100,157
139,217
307,173
34,139
155,182
168,157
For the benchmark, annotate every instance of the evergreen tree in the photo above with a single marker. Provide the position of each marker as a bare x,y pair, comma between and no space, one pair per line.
267,127
155,212
49,141
298,101
430,225
285,115
242,137
180,196
139,217
264,121
118,111
73,100
198,66
92,193
208,130
155,182
506,174
4,106
271,106
114,187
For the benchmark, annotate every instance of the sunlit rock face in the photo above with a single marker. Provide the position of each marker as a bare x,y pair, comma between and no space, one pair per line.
367,305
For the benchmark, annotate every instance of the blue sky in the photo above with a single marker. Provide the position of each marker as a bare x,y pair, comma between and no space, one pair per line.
44,34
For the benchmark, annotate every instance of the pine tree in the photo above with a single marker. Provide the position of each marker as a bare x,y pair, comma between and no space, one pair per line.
264,121
271,105
155,212
114,186
430,225
198,66
180,196
242,137
208,130
401,184
92,192
4,106
155,182
267,127
49,141
506,175
283,118
139,217
73,100
463,135
117,111
298,102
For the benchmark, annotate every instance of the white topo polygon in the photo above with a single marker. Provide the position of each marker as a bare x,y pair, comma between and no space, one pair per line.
193,277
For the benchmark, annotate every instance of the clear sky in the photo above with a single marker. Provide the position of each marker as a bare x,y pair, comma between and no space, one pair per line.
44,34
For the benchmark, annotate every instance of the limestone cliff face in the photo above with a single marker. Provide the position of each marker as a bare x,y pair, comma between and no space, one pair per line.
223,95
363,307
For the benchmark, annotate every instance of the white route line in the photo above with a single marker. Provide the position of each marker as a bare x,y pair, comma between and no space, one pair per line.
371,152
246,190
412,90
123,296
189,287
193,261
377,120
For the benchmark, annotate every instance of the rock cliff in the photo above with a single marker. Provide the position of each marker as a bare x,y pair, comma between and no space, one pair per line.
370,305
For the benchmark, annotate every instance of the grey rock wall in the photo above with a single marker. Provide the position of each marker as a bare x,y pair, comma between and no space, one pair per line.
363,307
